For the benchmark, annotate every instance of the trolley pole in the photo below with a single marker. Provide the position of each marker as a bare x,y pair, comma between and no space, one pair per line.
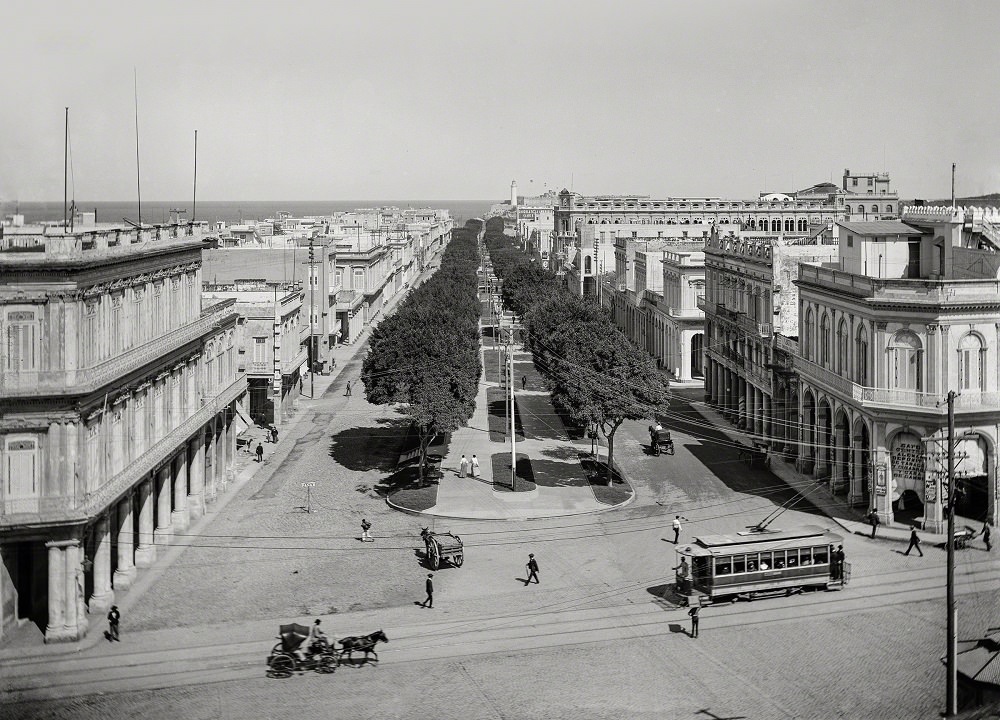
312,316
952,656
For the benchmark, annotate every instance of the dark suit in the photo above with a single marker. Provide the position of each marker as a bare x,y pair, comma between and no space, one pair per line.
429,602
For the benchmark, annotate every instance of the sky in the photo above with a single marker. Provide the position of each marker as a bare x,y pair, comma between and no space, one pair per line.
428,99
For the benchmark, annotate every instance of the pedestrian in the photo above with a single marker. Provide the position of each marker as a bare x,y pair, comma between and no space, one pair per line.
524,382
113,619
365,527
429,602
986,536
914,543
474,465
693,612
532,568
260,452
348,393
274,435
873,518
677,528
463,467
838,563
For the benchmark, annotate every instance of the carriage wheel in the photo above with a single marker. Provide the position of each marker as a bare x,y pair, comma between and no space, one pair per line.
458,559
281,666
327,664
433,557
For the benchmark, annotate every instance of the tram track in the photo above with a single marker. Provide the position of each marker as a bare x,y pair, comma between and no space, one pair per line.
41,678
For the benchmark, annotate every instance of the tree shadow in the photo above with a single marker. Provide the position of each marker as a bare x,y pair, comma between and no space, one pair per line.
562,452
556,474
498,416
370,448
524,470
716,452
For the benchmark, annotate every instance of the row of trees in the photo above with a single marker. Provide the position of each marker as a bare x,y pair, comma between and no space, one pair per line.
425,357
596,375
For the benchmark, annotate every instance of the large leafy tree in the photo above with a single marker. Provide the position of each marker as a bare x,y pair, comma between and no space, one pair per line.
425,357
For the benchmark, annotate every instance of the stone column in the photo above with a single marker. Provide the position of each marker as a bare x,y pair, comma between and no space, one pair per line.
196,470
76,611
222,443
161,536
766,416
145,553
210,453
125,573
103,596
56,592
230,444
179,518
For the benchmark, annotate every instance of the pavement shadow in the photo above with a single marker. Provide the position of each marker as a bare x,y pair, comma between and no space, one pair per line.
501,471
553,473
561,452
370,448
719,455
498,417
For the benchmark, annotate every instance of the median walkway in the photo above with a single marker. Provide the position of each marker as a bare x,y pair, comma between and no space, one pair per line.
545,451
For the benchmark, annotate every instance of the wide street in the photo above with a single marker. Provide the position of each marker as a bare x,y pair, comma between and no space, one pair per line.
595,639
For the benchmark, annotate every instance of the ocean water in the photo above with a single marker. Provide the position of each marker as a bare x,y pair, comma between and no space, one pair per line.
233,211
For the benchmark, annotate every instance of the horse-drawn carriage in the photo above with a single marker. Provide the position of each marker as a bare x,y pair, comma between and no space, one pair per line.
292,654
660,440
441,547
753,454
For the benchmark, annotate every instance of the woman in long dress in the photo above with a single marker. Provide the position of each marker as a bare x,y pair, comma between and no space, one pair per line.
463,467
475,466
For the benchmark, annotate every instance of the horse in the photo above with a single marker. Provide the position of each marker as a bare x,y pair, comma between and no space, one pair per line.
364,643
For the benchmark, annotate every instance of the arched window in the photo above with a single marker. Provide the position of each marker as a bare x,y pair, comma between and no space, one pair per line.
874,208
587,264
971,363
789,225
803,225
775,225
807,335
824,340
906,361
888,208
861,356
843,338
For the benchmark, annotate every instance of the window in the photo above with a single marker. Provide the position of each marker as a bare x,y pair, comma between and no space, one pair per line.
906,355
724,566
90,341
807,335
913,260
888,208
971,356
791,558
854,182
870,182
850,241
157,308
22,341
359,279
138,311
20,474
259,350
824,340
820,555
739,563
843,337
861,356
115,337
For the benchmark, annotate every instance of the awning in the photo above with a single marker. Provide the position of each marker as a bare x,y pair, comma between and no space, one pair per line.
242,419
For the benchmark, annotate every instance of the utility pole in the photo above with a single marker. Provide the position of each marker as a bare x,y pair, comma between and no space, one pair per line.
510,378
953,184
952,656
312,315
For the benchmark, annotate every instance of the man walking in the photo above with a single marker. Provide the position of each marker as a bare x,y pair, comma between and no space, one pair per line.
524,381
260,452
365,527
986,536
677,528
348,393
274,435
532,568
914,543
429,602
693,612
838,563
873,518
113,619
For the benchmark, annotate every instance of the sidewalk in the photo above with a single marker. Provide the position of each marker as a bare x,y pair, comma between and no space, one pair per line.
850,519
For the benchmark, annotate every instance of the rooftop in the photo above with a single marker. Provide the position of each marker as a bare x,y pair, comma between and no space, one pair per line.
880,227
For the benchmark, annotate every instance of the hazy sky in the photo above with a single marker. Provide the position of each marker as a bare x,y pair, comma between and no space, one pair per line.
419,99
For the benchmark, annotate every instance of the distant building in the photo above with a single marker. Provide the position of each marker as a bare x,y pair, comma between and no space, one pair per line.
119,409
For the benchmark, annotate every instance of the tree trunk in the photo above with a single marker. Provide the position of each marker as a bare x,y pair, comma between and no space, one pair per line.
611,449
426,436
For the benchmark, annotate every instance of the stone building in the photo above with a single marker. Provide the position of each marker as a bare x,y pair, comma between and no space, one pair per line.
907,314
117,412
750,296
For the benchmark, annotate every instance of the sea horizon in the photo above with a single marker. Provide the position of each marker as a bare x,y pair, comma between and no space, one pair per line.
231,211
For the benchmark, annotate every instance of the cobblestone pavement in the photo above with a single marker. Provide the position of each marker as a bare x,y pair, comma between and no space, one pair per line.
806,668
594,640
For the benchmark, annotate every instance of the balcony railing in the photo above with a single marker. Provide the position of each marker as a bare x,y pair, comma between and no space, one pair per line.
68,508
84,380
902,397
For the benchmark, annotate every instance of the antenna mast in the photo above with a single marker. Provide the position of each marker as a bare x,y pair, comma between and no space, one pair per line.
194,198
138,180
65,165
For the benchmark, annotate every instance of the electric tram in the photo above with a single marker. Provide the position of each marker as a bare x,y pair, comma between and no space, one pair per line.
758,562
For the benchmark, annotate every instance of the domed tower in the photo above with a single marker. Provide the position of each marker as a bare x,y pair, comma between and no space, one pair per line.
513,193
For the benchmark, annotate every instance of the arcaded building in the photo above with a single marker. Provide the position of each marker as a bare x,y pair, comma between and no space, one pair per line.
908,313
117,413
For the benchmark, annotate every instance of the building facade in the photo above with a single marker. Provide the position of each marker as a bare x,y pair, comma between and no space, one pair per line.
118,415
907,315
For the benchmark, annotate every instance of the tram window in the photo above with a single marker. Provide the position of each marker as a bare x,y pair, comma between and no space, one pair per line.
779,559
723,566
739,563
752,563
701,568
765,561
805,556
793,558
819,556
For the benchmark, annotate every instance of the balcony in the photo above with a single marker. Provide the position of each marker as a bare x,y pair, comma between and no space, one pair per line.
871,397
928,292
85,380
64,509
